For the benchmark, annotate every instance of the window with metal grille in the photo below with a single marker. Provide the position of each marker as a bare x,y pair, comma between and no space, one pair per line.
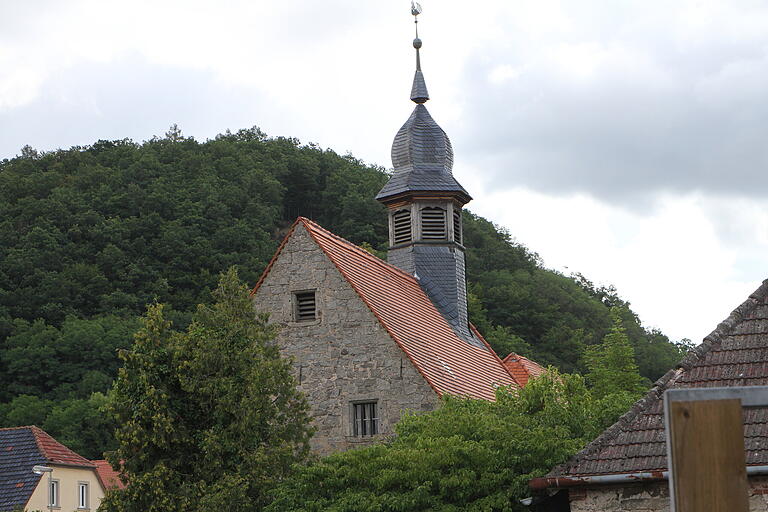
366,421
457,226
433,224
305,306
401,221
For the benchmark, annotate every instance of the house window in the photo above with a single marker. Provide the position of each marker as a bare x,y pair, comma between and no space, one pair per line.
457,225
401,222
305,306
53,493
366,419
433,224
82,495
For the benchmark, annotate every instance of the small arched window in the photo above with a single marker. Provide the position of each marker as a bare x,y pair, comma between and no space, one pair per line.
401,227
457,226
433,224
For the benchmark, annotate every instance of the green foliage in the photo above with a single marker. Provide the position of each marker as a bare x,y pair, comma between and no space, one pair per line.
469,455
208,418
90,235
611,364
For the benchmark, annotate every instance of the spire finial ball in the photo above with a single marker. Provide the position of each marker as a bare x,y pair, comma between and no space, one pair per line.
417,43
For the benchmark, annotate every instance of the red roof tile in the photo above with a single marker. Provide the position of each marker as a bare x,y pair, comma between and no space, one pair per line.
449,364
522,368
57,453
108,477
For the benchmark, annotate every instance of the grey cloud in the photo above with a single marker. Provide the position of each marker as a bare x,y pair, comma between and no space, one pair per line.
131,98
691,119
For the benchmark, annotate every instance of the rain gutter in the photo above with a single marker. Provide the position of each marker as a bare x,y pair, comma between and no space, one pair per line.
538,484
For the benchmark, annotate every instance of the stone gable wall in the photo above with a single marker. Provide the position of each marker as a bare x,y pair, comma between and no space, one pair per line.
649,497
343,356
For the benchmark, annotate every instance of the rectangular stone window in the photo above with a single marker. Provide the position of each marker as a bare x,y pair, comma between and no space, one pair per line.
365,419
304,306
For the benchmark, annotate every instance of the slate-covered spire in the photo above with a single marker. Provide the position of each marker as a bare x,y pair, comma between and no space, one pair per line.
425,202
419,92
422,155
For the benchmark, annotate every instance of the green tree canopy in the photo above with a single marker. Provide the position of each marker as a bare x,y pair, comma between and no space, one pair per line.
469,455
611,364
208,418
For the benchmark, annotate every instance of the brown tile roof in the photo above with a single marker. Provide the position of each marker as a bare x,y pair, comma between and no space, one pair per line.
108,477
522,368
734,354
449,364
55,452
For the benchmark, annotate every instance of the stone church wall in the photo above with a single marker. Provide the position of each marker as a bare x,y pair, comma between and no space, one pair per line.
343,357
649,497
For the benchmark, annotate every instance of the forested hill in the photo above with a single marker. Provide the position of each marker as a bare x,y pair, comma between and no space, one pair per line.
90,235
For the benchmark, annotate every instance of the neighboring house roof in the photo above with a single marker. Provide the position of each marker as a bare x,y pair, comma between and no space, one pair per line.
21,448
522,368
449,364
734,354
108,477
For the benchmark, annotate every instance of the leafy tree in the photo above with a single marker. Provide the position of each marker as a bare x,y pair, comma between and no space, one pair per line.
612,367
467,455
90,235
208,418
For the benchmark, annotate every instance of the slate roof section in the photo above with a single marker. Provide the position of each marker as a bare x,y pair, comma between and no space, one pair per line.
21,448
18,453
419,92
108,477
734,354
422,156
448,364
522,368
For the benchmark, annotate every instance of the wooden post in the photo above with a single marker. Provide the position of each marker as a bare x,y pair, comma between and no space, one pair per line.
706,447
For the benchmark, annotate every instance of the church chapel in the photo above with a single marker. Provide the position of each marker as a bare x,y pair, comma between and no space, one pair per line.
370,339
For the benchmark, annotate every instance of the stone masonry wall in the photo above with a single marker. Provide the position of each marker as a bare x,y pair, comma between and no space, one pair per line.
342,357
649,497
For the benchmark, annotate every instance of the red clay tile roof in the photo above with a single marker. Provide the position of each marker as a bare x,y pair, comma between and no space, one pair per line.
522,368
108,477
734,354
449,364
57,453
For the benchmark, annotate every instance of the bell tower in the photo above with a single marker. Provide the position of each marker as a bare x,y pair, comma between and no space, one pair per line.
424,204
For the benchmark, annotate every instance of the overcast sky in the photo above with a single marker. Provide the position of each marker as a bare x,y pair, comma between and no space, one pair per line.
625,140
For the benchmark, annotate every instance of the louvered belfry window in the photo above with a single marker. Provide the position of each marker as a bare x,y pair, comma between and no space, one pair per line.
433,225
401,221
305,306
457,226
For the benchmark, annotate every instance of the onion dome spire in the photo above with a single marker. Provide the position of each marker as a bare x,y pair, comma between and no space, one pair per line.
419,92
422,155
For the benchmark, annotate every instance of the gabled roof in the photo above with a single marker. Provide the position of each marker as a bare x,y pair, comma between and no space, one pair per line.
734,354
522,368
108,477
449,364
21,448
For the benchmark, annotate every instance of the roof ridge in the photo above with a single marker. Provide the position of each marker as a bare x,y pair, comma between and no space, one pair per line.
357,249
18,428
713,339
39,434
